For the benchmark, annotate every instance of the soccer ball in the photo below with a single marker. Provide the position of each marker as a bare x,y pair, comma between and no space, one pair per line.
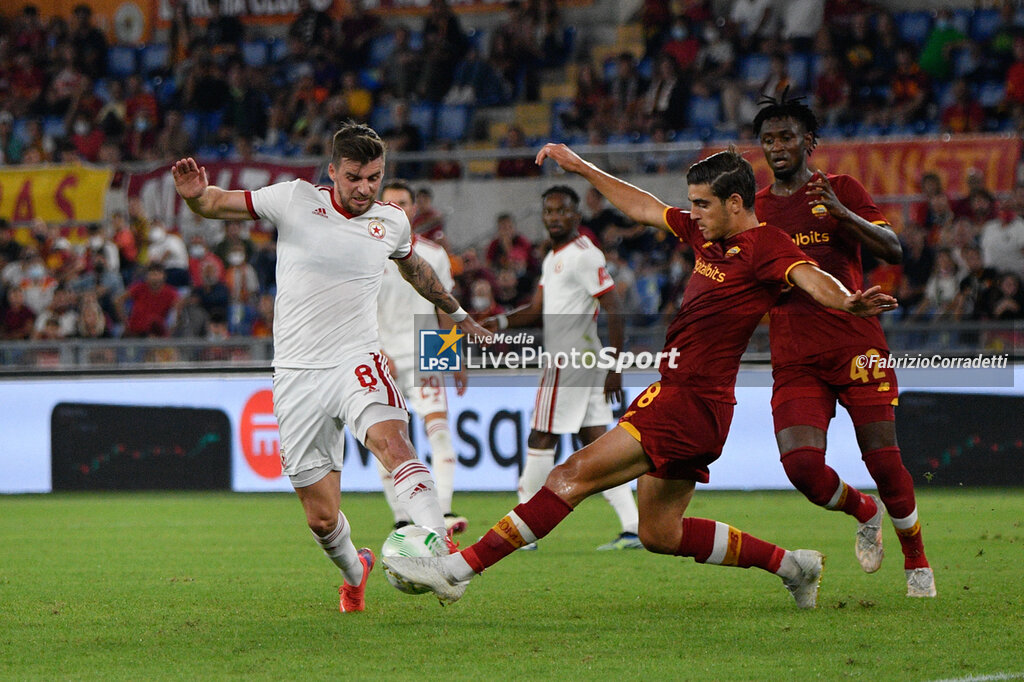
412,541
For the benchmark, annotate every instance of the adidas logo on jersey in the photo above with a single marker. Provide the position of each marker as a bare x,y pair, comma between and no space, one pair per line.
322,212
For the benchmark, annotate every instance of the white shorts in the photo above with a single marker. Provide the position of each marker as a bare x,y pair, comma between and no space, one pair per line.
313,406
426,394
569,399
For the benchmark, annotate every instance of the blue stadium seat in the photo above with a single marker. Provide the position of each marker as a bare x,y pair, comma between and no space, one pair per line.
381,48
121,60
370,79
799,68
453,121
255,53
963,63
942,94
164,89
984,24
278,50
380,118
558,129
154,57
645,68
755,68
991,93
703,112
422,116
54,126
913,26
962,18
190,122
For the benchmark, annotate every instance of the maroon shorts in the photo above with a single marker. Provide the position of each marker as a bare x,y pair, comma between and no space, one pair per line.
680,431
806,394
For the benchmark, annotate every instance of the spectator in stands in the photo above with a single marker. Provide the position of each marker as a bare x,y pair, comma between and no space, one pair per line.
112,117
247,103
599,216
400,72
626,88
205,90
936,58
125,240
28,32
481,301
265,264
1002,238
18,319
167,249
153,302
1007,300
426,220
964,114
403,136
243,287
975,285
10,144
940,291
832,92
263,324
26,82
554,48
516,166
192,321
310,24
509,293
38,146
62,310
471,268
918,259
509,249
446,167
909,90
801,20
679,271
476,82
92,322
1013,100
444,44
88,42
99,280
182,33
525,54
172,142
981,208
224,33
756,22
625,279
198,257
356,31
664,104
65,85
213,293
235,235
358,100
86,138
681,44
590,101
10,249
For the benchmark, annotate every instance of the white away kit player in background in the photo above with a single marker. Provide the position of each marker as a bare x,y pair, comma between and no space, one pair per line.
400,316
333,243
574,283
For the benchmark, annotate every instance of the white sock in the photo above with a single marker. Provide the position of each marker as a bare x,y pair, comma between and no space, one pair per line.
443,452
621,499
416,494
539,464
387,485
339,548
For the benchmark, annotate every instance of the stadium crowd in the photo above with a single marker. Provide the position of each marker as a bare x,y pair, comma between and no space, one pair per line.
703,68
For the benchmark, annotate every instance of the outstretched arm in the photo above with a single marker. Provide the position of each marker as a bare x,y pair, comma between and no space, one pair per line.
830,292
639,205
417,272
529,315
205,199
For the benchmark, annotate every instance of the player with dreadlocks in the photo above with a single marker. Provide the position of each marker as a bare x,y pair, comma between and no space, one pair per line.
819,357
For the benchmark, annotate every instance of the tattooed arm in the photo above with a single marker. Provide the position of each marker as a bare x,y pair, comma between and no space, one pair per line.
422,277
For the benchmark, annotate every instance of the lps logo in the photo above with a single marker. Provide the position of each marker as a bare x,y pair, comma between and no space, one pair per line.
440,351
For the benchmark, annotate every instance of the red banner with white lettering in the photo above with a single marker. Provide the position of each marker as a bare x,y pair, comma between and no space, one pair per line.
894,168
155,188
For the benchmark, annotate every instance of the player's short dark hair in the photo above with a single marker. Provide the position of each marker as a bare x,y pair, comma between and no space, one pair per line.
398,184
357,142
727,173
787,107
564,190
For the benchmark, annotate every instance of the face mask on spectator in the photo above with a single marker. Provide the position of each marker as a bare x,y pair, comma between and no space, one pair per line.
36,271
81,127
236,258
679,33
96,243
142,124
480,302
157,234
197,250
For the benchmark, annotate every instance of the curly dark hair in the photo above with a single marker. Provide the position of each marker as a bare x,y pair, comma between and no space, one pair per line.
787,107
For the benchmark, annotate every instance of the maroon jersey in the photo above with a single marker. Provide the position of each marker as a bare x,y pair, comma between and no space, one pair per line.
800,328
735,281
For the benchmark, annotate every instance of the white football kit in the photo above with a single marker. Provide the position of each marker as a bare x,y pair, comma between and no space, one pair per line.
327,365
401,314
568,399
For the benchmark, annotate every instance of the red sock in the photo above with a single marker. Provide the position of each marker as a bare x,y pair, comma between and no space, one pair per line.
527,523
713,542
820,484
896,488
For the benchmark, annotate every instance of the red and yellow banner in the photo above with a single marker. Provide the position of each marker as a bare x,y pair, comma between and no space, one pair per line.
894,168
57,194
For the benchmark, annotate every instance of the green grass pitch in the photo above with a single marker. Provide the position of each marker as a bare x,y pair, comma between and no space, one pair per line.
231,586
